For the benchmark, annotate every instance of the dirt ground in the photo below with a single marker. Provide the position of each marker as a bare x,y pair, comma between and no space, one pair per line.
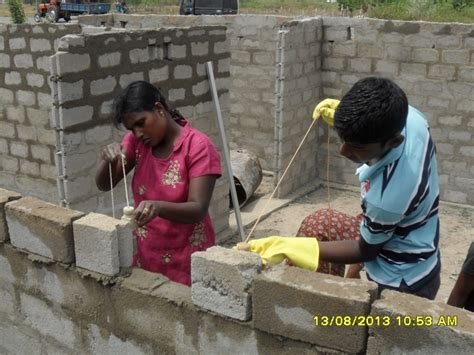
457,232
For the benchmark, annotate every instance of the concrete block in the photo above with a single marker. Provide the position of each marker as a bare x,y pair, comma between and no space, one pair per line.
19,149
41,152
26,98
98,134
176,94
126,243
425,55
75,115
70,91
201,88
23,61
5,196
29,168
126,79
440,328
292,302
222,279
71,63
17,43
18,340
466,74
6,96
460,56
139,55
4,60
43,319
43,63
35,80
109,59
10,164
42,228
96,243
40,45
183,72
12,78
442,71
103,86
159,75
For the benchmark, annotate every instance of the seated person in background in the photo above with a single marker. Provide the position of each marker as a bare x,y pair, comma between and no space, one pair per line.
462,295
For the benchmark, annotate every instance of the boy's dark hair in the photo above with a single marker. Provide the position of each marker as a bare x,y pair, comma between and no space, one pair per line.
374,110
140,96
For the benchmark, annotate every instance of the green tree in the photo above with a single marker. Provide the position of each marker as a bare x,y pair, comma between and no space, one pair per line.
16,11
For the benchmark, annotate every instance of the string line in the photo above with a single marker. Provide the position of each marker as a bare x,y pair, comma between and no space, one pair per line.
279,181
125,180
112,190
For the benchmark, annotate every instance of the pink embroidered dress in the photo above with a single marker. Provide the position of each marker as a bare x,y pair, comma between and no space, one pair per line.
164,246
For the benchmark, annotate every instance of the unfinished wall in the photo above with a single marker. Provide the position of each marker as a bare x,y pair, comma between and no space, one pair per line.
298,87
50,305
433,63
91,69
27,133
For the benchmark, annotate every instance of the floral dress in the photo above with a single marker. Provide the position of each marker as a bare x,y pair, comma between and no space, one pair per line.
164,246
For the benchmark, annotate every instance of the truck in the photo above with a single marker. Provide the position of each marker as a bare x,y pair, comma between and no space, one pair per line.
209,7
54,10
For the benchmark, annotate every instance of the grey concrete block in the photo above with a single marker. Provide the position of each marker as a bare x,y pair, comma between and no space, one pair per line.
450,330
96,243
222,279
286,300
5,196
42,228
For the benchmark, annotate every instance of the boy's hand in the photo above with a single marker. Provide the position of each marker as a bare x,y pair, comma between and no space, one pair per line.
145,212
326,110
112,152
301,252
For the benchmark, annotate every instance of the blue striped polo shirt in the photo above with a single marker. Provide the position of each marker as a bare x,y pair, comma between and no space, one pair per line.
399,197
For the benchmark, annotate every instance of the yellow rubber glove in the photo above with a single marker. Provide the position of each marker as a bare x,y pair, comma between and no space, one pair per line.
326,110
301,252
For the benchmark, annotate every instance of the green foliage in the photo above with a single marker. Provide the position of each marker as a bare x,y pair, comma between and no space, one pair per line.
461,4
16,11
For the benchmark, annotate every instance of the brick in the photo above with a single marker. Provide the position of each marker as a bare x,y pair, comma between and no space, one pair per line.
38,118
103,86
3,146
285,300
240,56
159,75
17,43
176,94
442,71
448,42
465,105
10,164
42,228
397,53
12,78
70,41
425,339
221,47
460,136
126,79
70,91
333,63
109,59
360,65
26,98
19,149
43,63
29,168
71,63
40,45
2,44
78,162
26,133
76,115
16,340
4,60
199,48
48,171
466,74
98,134
96,243
45,101
453,196
5,196
222,280
139,55
424,55
23,61
177,51
42,318
455,56
413,69
6,96
183,72
126,243
35,80
263,58
201,88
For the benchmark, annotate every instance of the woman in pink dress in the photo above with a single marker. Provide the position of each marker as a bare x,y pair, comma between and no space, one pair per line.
176,168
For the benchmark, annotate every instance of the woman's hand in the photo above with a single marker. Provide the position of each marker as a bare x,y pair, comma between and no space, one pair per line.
111,152
146,211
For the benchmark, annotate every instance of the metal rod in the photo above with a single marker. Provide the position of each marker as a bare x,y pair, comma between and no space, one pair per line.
220,125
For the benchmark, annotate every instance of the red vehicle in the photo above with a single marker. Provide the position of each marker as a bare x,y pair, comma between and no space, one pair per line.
53,10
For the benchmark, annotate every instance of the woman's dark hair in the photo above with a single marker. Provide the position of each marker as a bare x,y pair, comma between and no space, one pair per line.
374,110
140,96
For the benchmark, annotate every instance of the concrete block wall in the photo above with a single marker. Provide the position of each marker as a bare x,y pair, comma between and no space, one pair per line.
27,134
433,63
298,88
91,69
49,306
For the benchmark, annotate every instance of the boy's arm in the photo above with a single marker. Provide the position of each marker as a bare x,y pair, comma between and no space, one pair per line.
348,251
462,289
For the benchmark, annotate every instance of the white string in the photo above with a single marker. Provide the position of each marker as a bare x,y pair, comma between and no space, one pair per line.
125,180
112,189
278,184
